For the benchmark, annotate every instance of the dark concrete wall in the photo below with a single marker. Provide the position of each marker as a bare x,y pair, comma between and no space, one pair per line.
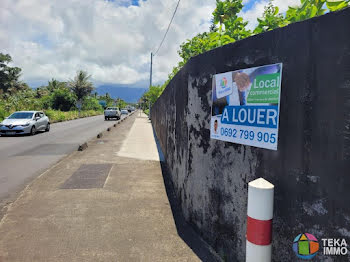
310,170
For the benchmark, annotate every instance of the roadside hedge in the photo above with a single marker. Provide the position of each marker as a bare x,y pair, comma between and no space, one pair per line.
59,116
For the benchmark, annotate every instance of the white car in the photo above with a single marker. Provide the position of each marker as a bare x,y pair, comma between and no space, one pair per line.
124,111
25,122
112,112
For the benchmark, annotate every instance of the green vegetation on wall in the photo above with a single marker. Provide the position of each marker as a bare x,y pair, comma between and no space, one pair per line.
151,96
227,27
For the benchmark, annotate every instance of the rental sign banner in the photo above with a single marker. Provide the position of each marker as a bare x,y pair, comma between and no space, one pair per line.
245,108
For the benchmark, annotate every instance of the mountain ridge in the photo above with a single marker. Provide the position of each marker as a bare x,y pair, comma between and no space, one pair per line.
128,94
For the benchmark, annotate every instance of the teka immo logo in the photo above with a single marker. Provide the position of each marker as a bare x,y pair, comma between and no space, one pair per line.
305,246
223,82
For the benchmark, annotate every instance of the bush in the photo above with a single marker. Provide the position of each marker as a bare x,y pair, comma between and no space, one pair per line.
46,102
59,116
3,113
62,99
91,103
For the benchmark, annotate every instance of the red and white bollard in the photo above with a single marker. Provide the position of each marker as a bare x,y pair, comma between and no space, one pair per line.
259,221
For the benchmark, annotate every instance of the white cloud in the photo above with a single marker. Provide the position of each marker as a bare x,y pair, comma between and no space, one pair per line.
111,40
284,4
253,13
257,10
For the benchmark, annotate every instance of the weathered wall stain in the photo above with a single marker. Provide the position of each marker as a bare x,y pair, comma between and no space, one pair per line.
311,169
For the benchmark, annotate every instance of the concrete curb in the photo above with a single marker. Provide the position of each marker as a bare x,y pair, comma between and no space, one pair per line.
83,146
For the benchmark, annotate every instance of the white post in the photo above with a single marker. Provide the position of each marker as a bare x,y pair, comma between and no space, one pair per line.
259,221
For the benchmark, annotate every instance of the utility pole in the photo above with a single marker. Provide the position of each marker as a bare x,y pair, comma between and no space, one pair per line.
150,77
150,84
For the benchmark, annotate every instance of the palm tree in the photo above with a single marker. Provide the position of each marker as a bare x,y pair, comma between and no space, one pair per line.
81,86
55,84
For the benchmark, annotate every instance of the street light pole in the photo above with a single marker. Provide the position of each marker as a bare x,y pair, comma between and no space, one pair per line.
150,77
150,84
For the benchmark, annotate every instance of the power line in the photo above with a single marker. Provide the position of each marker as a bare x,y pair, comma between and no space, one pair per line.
167,28
160,45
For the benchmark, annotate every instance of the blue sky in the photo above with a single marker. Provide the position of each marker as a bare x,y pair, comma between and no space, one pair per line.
111,40
127,2
248,5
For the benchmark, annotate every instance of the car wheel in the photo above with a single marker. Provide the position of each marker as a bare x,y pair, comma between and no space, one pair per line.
33,131
47,127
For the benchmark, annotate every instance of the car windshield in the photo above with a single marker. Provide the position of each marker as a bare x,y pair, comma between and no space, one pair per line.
111,108
21,115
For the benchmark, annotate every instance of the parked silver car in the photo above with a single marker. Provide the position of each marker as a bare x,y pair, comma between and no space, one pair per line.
25,122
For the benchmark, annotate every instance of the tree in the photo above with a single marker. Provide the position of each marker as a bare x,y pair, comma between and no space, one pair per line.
236,28
271,19
199,44
55,84
62,99
226,13
121,103
307,9
109,100
18,86
231,28
81,86
335,5
41,91
9,76
22,100
151,95
227,26
312,8
91,103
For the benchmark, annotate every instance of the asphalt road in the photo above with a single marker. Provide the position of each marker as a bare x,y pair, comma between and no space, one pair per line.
22,158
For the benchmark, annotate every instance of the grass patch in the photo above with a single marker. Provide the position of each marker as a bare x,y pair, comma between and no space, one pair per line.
59,116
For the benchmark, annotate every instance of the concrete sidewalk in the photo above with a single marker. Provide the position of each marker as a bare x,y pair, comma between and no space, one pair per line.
141,146
107,203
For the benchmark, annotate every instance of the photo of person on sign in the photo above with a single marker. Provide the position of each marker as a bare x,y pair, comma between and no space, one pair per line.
216,126
244,79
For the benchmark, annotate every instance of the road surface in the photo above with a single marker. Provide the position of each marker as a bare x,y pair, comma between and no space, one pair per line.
24,157
107,203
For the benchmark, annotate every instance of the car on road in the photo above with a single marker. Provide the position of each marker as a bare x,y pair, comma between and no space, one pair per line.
130,109
112,112
124,111
25,122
